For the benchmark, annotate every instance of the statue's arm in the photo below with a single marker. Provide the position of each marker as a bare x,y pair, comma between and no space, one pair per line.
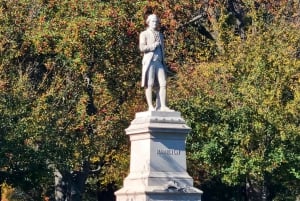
144,46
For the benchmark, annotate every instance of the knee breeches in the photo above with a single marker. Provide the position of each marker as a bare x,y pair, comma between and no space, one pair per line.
156,74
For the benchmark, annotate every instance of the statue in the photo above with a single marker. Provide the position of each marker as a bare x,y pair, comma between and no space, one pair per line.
154,68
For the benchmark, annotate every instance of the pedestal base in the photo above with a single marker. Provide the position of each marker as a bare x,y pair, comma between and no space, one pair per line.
158,160
152,194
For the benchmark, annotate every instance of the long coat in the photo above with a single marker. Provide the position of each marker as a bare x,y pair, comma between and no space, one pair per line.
147,40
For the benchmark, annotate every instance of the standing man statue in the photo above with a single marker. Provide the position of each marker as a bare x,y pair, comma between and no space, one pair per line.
154,68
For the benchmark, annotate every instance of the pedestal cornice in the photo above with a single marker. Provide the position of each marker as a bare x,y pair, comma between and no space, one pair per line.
156,121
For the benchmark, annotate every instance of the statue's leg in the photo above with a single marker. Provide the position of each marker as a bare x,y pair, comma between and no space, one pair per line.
161,75
158,105
148,91
163,95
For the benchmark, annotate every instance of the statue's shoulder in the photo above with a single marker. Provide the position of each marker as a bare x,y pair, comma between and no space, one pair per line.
145,32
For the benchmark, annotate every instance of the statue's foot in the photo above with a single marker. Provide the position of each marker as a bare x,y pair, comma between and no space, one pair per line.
166,109
151,108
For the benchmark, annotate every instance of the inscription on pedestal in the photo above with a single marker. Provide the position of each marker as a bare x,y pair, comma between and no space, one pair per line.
168,152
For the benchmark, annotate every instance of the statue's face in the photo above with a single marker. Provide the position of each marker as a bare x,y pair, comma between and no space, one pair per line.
153,23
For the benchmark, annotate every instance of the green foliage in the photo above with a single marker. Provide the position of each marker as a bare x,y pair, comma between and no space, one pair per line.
69,85
68,73
244,109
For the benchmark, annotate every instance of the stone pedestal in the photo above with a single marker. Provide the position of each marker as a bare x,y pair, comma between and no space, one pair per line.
158,160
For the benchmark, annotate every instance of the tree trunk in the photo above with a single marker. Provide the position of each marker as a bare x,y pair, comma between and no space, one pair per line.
69,186
60,186
256,190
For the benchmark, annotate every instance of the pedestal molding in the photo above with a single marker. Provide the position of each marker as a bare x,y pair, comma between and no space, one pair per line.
158,160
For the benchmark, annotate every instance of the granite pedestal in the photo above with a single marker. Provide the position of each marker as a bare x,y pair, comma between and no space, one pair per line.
158,160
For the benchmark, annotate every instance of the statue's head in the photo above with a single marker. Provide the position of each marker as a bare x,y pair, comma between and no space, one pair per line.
152,21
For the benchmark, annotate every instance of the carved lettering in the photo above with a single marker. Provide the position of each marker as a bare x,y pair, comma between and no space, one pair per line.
168,152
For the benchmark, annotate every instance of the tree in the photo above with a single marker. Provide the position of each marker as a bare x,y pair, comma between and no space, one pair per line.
70,85
243,108
65,100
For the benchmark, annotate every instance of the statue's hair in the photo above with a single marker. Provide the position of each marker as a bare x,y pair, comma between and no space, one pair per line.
150,17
